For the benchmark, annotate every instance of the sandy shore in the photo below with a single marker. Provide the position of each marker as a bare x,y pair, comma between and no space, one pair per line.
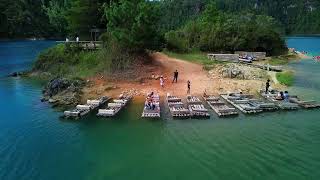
201,81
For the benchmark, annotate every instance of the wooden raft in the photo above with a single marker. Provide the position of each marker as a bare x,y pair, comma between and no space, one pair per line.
241,102
176,107
82,110
196,107
219,107
114,107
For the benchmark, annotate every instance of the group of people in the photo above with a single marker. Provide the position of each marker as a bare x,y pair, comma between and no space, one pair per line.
150,103
281,95
175,80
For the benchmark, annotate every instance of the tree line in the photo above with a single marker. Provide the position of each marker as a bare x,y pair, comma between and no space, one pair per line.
179,25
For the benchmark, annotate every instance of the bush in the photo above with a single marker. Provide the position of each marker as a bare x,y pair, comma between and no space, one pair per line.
286,78
176,41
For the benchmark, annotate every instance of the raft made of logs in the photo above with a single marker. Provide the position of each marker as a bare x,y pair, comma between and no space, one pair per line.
196,107
241,102
114,108
220,107
304,104
198,110
176,107
82,110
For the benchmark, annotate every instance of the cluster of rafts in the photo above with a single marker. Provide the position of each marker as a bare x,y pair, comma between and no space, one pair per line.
111,109
224,105
230,104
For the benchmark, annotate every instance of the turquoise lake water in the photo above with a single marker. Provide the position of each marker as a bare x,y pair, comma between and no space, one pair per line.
36,145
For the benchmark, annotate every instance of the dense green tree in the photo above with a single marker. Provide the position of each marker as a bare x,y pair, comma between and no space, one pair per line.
56,11
85,15
132,23
217,31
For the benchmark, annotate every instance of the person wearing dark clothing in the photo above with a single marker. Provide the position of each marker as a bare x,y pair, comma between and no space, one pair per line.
267,86
189,87
175,76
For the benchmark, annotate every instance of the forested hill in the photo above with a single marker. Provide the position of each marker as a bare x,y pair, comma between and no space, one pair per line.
55,18
296,16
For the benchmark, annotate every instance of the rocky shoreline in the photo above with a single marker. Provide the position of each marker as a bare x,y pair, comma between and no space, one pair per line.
63,92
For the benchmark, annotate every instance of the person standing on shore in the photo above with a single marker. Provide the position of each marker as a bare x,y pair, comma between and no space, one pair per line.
175,76
267,86
189,87
162,82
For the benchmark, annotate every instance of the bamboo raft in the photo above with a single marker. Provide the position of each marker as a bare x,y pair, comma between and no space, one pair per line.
196,107
176,107
152,113
242,102
193,100
82,110
304,104
219,107
265,106
114,108
282,104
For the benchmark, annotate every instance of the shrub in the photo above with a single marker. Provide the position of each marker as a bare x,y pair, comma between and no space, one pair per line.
286,78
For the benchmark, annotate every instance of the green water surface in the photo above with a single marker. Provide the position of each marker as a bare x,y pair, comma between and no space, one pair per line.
36,145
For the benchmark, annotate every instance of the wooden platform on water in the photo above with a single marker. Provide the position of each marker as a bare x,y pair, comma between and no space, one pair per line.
82,110
197,108
304,104
176,107
242,102
114,108
220,107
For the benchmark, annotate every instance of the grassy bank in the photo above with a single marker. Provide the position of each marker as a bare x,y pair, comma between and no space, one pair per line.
195,57
285,78
283,59
71,62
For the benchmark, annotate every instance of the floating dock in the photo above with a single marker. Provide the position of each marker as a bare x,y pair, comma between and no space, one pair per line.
176,107
219,107
82,110
196,107
152,110
282,104
304,104
242,102
114,108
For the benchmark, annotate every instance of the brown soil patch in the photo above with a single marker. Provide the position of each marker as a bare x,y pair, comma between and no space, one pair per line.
138,80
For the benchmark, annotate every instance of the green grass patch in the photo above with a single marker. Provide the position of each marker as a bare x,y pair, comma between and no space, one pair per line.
69,63
283,59
278,61
195,57
285,78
